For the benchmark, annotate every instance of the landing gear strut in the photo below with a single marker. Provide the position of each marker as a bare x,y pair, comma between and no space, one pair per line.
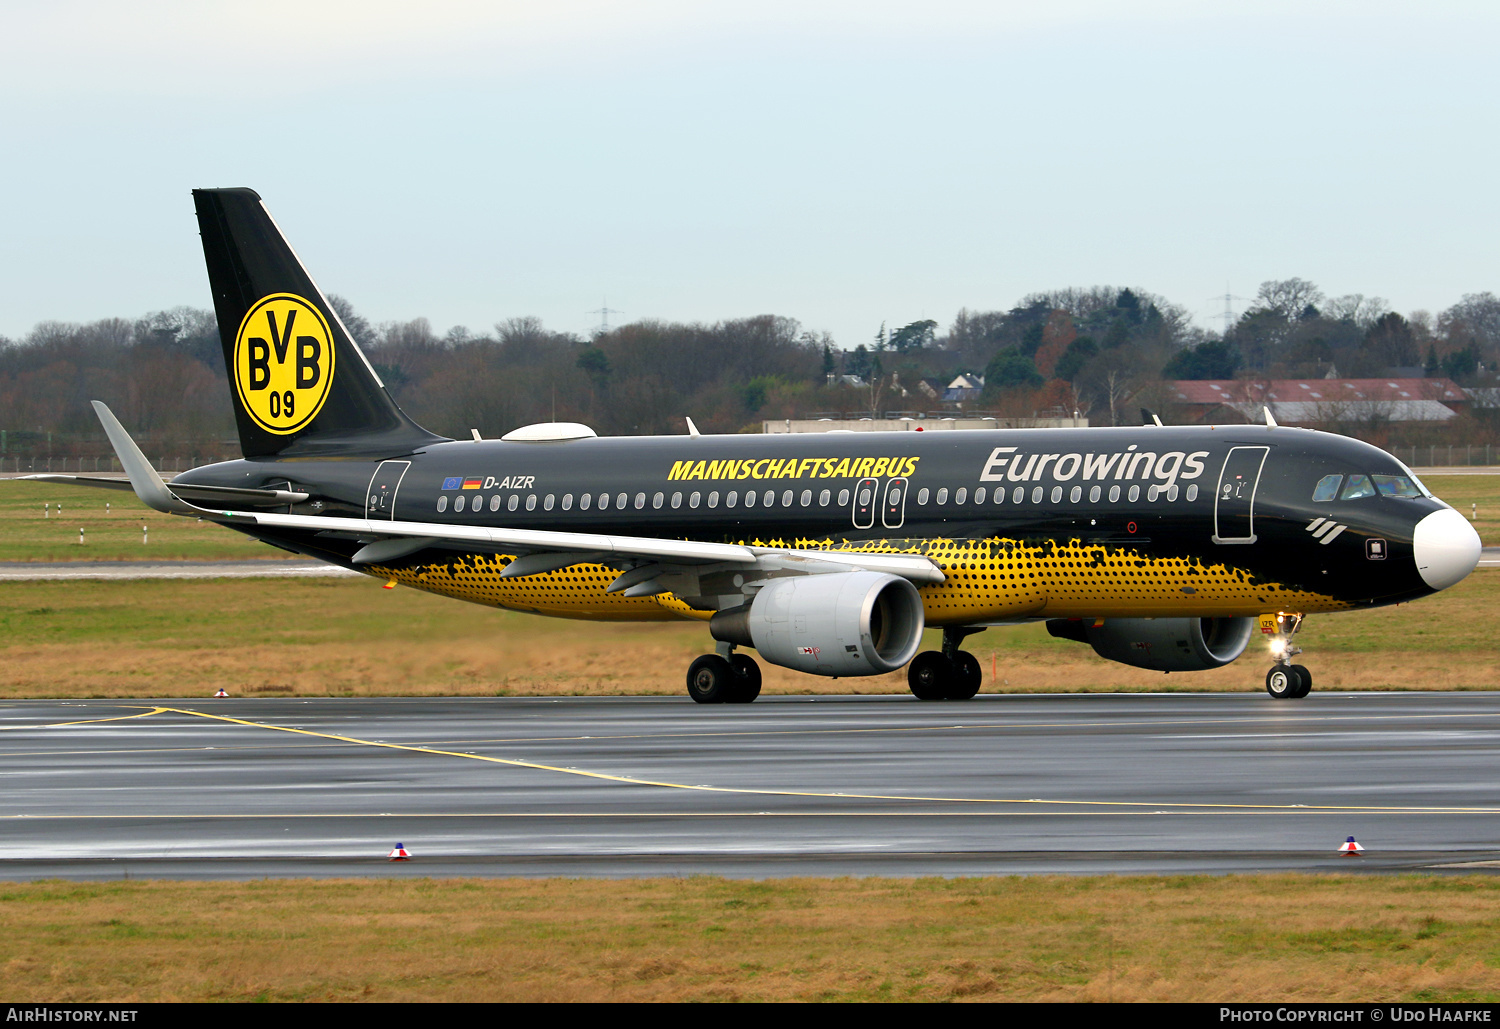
724,677
1286,681
948,674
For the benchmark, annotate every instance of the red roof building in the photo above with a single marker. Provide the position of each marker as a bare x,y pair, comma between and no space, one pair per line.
1312,401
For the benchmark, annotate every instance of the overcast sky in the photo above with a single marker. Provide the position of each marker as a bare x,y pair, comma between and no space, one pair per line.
843,163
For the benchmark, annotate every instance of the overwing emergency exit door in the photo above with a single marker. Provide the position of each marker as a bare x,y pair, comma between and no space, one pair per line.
380,501
1234,503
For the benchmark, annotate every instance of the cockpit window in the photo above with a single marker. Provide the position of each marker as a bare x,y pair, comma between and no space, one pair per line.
1359,486
1327,488
1396,486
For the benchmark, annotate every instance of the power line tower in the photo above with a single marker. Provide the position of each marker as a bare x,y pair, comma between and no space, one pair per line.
1229,299
604,313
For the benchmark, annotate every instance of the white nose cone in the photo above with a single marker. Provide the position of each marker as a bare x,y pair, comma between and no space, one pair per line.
1446,548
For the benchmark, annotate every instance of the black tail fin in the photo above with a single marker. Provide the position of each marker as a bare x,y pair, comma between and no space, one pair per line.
299,384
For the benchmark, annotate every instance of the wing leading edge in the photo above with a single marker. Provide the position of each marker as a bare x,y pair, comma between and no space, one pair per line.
390,540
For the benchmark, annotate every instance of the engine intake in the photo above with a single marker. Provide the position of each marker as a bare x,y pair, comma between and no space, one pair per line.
844,623
1162,644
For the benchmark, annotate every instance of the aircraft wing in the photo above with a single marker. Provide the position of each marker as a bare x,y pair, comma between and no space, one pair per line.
549,550
545,550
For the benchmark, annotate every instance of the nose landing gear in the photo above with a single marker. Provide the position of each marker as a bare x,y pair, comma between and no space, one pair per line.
1285,681
948,674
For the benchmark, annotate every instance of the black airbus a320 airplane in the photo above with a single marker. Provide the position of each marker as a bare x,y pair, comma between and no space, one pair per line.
1161,547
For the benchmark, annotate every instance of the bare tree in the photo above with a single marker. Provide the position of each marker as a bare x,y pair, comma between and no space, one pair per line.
1288,297
1357,308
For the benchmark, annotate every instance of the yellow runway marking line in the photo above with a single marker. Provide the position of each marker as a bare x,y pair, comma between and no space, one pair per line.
1302,730
84,721
1308,728
305,816
919,799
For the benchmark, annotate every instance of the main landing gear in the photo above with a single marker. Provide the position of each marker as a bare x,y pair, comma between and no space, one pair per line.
1286,681
948,674
724,677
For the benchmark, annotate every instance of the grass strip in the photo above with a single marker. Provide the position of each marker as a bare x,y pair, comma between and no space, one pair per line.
349,637
1179,938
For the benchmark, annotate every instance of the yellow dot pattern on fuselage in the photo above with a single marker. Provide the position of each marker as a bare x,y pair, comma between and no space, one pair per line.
986,580
577,591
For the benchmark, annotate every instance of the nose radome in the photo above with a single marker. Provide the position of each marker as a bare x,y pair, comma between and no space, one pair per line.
1446,548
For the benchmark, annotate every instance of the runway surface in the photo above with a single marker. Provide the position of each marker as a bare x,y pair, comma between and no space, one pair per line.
786,786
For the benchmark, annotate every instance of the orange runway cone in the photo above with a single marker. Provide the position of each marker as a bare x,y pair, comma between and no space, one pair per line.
399,854
1351,849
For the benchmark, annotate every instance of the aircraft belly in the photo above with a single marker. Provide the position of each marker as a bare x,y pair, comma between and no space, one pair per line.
999,579
577,591
988,580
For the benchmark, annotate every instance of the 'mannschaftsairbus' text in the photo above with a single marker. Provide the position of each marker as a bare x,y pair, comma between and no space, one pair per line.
1005,464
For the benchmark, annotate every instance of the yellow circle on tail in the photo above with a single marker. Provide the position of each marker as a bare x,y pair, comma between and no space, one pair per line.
283,362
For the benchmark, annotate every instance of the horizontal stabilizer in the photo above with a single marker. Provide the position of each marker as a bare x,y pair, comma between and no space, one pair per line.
211,494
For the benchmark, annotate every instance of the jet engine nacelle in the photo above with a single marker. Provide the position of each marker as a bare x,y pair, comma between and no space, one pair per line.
1162,644
840,623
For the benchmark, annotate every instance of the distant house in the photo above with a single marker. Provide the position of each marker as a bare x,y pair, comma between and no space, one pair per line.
1313,401
932,389
964,389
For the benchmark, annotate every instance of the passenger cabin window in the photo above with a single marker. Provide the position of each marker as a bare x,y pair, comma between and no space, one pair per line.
979,495
824,497
1396,486
1359,486
458,502
769,499
843,498
515,501
658,500
942,497
749,498
531,501
962,495
923,494
732,498
547,504
713,499
1327,488
567,501
495,502
695,500
443,503
676,501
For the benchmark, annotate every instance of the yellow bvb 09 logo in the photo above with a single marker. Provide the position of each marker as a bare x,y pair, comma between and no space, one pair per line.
283,362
